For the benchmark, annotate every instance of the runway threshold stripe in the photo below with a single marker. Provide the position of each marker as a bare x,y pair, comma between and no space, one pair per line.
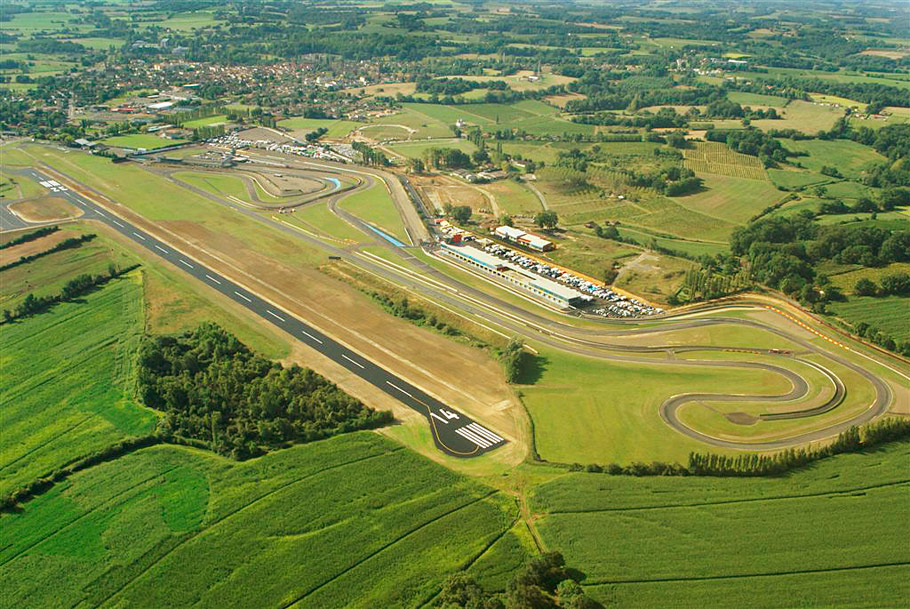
275,315
484,432
464,433
242,296
352,361
307,334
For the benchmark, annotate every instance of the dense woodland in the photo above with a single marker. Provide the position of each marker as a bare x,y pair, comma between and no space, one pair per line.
212,388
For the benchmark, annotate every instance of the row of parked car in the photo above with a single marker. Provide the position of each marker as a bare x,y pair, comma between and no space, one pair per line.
619,305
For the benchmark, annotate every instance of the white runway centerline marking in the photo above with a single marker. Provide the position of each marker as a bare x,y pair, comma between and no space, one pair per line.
210,278
138,235
275,315
352,361
160,249
393,385
184,262
242,296
117,223
307,334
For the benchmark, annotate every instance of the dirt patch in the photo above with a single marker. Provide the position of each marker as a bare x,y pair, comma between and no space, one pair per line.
33,247
45,209
443,190
741,418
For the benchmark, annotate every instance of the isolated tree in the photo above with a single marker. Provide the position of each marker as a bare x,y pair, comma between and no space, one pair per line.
506,220
460,213
865,287
546,219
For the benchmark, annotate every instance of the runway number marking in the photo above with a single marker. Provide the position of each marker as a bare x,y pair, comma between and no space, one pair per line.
448,414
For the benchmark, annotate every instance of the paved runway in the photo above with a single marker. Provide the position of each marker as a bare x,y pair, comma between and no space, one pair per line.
453,432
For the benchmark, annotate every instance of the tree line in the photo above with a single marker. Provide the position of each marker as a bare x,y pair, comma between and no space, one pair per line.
72,289
214,389
854,439
66,244
35,234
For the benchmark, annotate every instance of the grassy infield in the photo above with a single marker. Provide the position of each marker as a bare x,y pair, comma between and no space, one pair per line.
244,522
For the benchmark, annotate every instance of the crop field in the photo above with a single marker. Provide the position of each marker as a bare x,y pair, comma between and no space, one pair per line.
140,140
705,542
519,81
849,157
77,397
534,117
887,313
376,206
717,158
337,128
733,200
299,523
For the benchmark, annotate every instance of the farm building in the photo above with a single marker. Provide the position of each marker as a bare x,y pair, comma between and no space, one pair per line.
520,237
538,286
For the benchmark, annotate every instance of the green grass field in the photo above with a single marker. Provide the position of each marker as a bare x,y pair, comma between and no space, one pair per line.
733,200
591,411
756,99
140,140
337,128
206,122
376,206
318,218
803,116
77,396
809,539
216,184
354,521
849,157
795,179
414,150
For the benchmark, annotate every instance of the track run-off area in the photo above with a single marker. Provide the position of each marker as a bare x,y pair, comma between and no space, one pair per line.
413,265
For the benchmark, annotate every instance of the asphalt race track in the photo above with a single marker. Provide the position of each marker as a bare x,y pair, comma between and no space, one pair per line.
453,432
464,437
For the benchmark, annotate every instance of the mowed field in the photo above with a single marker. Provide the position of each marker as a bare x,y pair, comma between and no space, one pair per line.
76,397
850,158
140,140
353,521
827,536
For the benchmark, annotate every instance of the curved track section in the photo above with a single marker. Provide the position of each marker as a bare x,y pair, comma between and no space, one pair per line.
605,342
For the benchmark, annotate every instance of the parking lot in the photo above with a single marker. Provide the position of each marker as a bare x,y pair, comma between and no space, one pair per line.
600,300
